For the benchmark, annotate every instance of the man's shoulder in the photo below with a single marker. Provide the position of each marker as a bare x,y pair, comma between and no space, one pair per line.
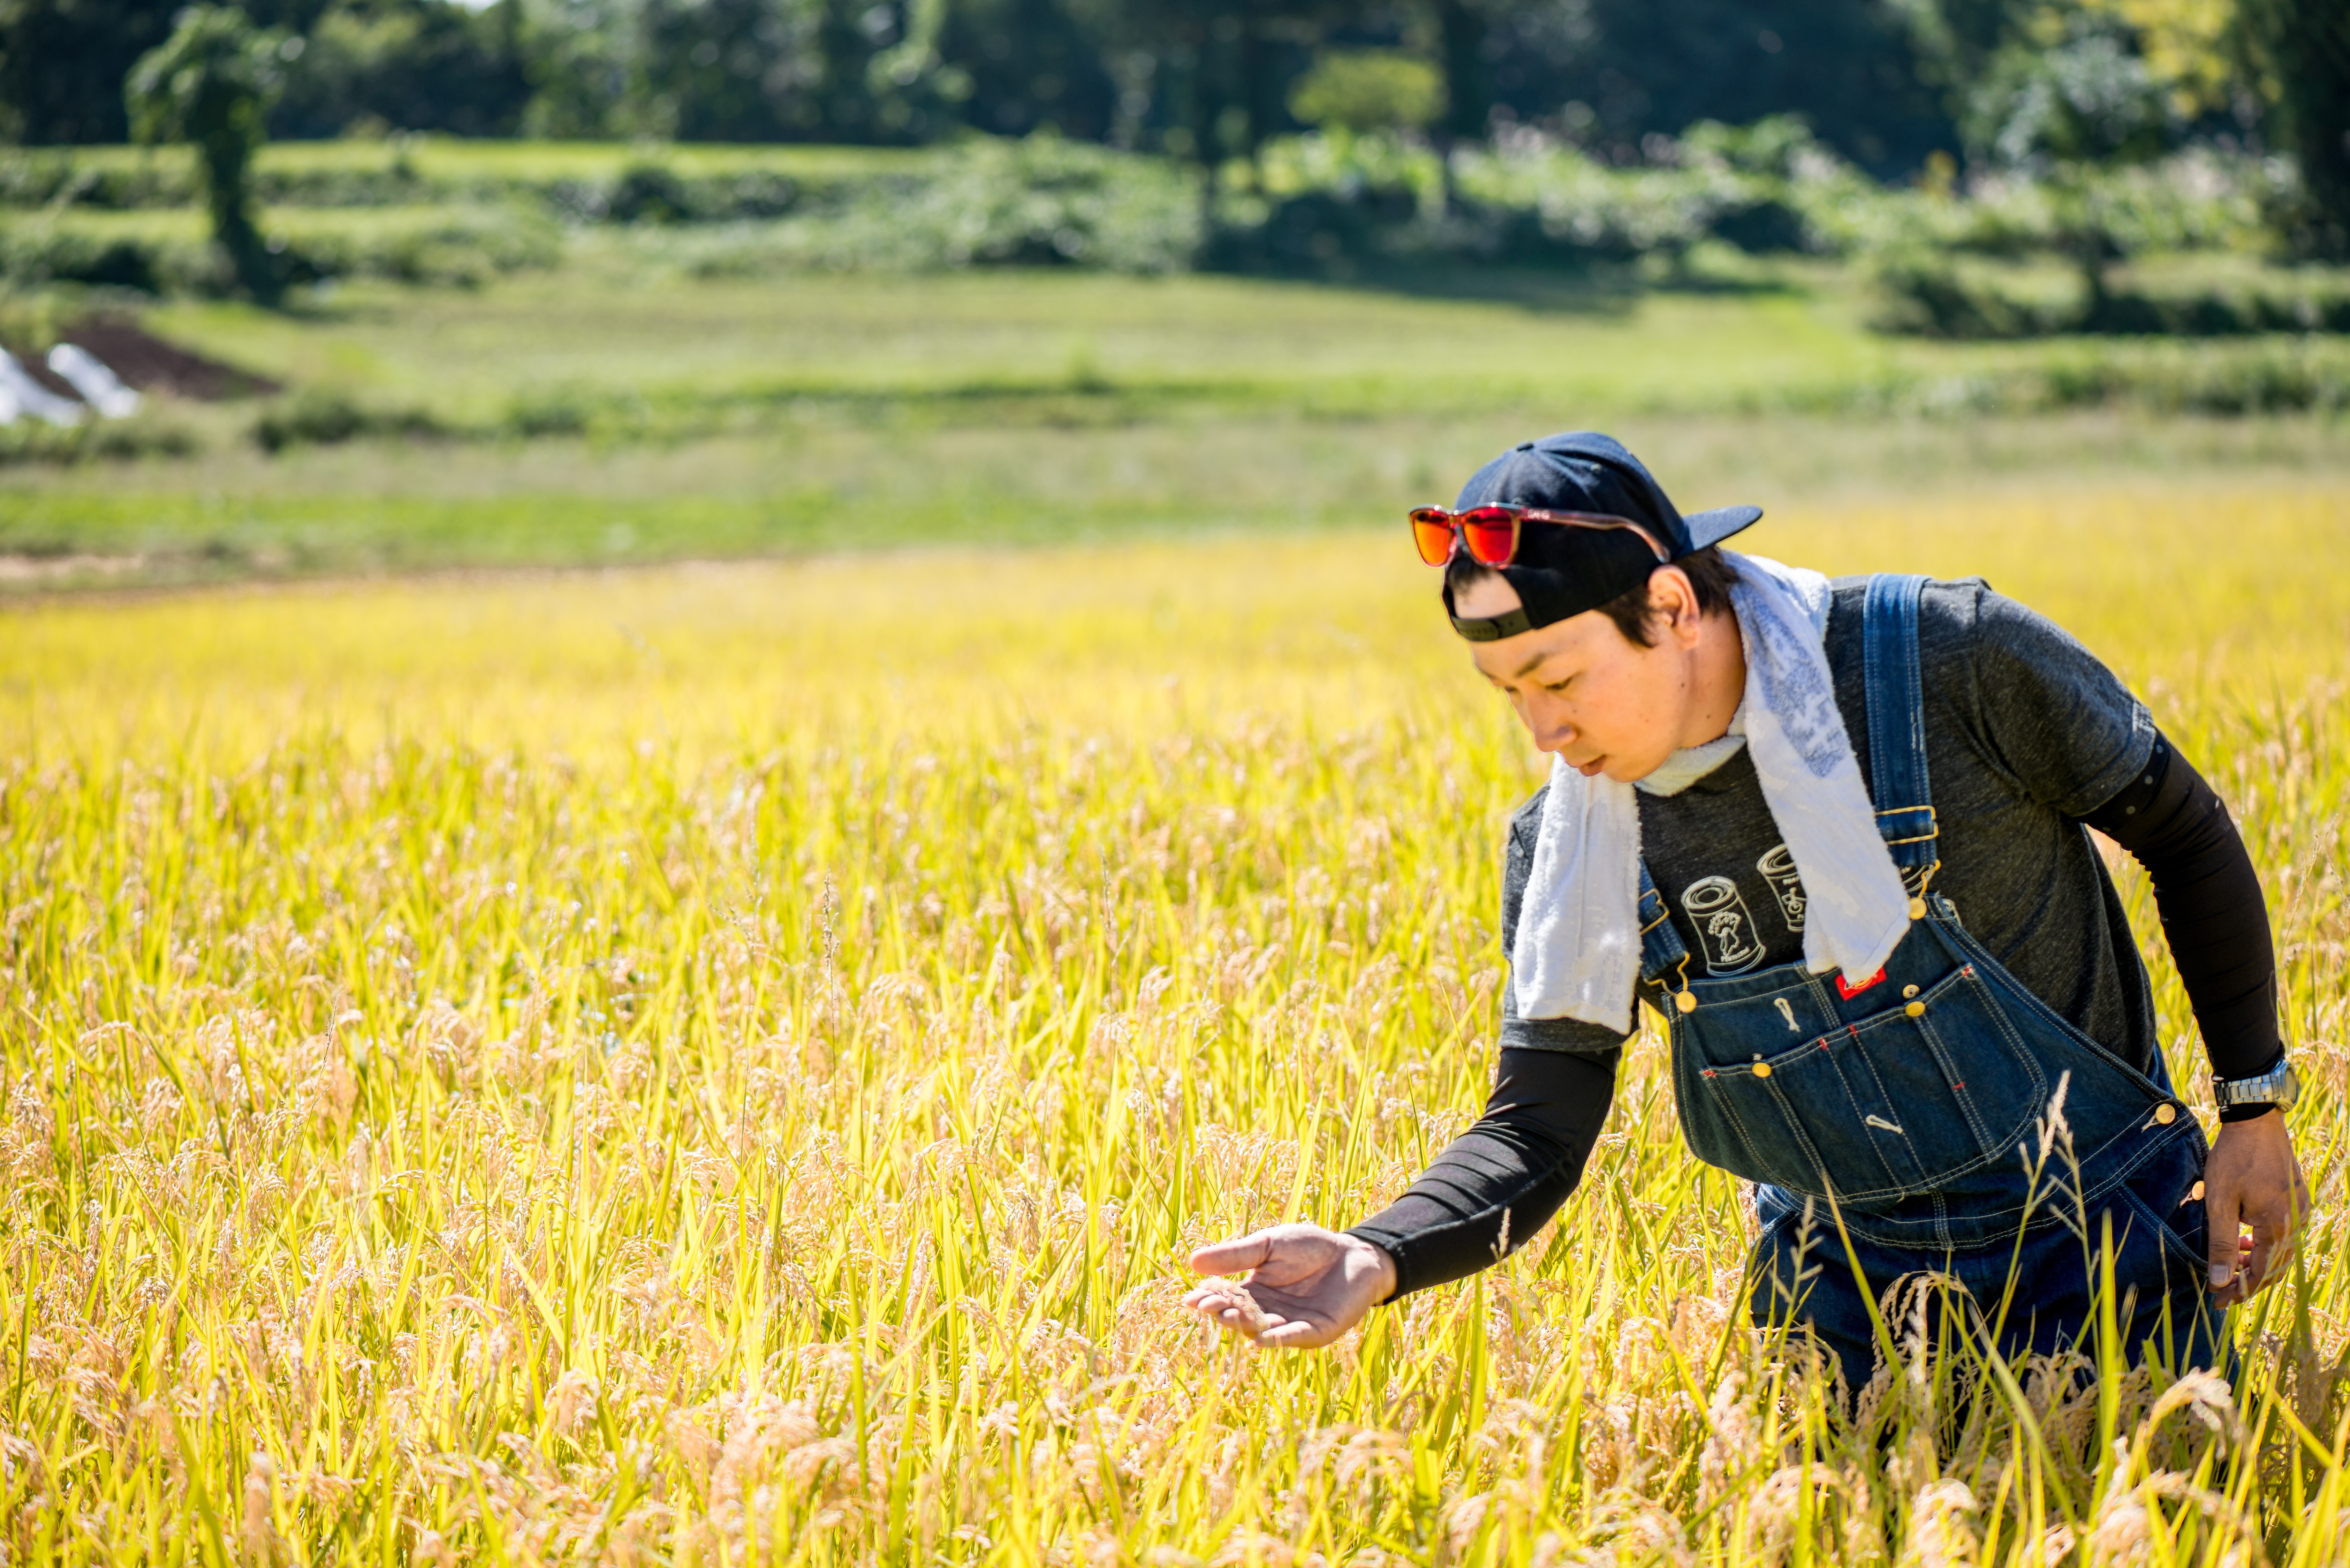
1957,617
1518,857
1947,601
1950,614
1526,823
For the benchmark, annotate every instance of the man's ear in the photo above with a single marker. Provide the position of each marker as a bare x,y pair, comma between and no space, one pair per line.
1672,605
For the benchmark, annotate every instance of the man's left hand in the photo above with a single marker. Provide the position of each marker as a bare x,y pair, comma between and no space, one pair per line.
2252,1178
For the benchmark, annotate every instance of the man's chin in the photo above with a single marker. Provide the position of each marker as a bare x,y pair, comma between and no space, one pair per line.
1608,764
1625,770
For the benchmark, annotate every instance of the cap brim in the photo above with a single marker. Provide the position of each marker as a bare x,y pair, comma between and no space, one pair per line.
1713,528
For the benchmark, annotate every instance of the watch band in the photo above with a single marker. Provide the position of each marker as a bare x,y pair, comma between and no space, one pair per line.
2280,1086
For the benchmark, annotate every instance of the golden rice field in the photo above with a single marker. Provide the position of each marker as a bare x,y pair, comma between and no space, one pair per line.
723,1065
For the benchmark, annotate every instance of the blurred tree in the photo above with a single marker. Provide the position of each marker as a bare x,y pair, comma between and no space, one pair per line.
759,70
1213,75
211,83
1369,89
2061,105
1029,64
2301,52
2185,48
407,65
62,63
1954,40
1612,74
1464,32
733,70
1885,82
2076,93
583,59
1460,34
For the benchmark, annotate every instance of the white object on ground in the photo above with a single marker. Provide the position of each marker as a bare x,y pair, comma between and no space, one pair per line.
29,397
99,387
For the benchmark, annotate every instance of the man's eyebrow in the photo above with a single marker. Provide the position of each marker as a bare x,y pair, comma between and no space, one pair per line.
1529,667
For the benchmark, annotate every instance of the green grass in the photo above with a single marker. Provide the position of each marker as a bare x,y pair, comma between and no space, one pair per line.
832,485
822,412
437,160
616,323
450,242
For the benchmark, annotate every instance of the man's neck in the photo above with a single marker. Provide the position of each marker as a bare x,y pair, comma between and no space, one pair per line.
1717,679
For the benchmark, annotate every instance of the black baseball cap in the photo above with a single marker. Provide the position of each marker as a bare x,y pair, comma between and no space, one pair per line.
1562,572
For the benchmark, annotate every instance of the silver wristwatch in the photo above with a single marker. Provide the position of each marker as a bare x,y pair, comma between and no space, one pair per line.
2278,1086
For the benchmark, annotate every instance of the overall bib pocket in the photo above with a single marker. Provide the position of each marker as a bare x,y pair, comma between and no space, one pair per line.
2173,1217
1888,1106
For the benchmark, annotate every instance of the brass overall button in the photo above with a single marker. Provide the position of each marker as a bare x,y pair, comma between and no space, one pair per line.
1686,1002
1909,990
1916,1009
1762,1069
2166,1112
2195,1193
1916,908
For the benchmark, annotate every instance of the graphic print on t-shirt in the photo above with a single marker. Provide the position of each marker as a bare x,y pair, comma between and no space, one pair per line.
2017,714
1718,911
1778,868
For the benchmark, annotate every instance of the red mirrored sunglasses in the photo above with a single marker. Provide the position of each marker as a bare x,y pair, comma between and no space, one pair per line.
1491,533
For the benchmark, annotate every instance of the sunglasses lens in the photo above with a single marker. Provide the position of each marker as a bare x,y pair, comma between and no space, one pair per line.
1433,531
1492,533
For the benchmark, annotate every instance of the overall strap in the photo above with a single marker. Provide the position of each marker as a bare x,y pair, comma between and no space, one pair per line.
1664,957
1897,726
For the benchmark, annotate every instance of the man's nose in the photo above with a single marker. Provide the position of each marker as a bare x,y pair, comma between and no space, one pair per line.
1552,733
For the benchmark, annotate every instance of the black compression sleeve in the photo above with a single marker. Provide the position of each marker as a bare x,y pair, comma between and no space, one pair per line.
2213,913
1502,1180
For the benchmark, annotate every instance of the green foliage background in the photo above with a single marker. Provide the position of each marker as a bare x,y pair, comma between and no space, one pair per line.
1885,83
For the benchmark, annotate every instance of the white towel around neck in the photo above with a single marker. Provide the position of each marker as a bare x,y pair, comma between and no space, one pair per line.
1577,953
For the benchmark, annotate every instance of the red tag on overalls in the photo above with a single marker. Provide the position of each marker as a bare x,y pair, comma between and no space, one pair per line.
1847,990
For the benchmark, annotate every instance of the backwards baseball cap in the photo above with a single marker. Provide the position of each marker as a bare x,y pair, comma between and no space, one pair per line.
1559,571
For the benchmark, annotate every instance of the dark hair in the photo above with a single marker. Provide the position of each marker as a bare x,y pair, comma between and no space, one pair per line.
1709,573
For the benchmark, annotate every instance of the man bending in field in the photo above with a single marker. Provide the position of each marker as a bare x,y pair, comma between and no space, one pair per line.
1833,834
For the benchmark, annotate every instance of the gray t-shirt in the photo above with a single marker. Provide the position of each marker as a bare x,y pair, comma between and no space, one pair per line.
2025,733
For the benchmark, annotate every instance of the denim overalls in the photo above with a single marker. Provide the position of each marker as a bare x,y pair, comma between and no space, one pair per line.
1909,1108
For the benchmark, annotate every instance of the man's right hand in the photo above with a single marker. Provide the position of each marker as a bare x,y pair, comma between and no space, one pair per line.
2253,1178
1304,1285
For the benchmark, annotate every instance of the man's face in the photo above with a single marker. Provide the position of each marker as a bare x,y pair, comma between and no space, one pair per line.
1585,691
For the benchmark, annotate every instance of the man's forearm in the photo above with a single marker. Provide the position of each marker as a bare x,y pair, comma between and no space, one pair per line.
2213,913
1501,1181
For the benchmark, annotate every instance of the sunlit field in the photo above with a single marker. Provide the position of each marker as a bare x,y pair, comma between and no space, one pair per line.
722,1065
